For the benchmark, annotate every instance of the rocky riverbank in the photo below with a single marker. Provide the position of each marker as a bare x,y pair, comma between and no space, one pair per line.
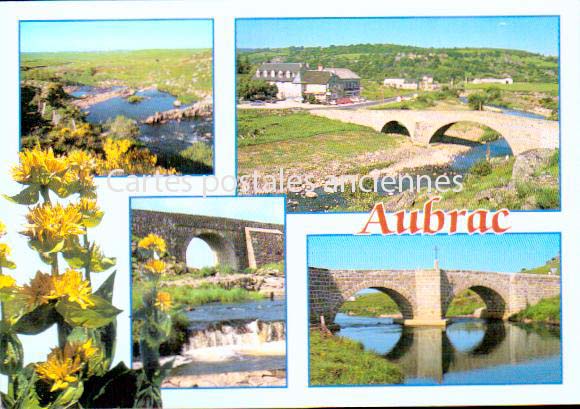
276,377
200,109
89,100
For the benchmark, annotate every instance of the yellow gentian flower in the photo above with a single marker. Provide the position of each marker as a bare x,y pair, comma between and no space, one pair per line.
155,266
71,286
153,242
51,225
163,301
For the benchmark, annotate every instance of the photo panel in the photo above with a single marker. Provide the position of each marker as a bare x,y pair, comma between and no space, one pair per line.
434,310
341,113
209,290
128,97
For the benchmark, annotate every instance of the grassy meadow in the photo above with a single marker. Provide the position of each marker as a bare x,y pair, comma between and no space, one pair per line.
186,74
546,87
269,139
336,360
380,304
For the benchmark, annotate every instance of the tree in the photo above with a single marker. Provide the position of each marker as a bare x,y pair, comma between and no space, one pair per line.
251,90
476,101
243,65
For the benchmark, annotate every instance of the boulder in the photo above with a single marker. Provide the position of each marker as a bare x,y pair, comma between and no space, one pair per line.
527,164
402,201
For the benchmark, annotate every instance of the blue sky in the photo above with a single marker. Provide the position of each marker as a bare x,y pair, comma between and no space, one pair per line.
260,209
110,35
535,34
501,253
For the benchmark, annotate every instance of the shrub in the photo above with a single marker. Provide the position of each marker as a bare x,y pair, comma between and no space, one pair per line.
122,128
481,168
134,99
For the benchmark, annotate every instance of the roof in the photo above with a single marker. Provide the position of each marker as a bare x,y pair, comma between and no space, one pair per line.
293,67
282,66
343,73
316,77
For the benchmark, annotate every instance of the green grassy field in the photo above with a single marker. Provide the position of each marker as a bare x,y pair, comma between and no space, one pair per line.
299,139
339,361
375,90
546,268
185,296
257,127
377,304
186,74
546,311
547,87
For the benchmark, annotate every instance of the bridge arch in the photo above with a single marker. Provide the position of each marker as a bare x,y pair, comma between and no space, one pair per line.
222,248
496,300
396,127
438,135
401,296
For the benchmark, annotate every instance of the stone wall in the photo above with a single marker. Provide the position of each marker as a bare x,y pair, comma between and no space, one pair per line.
267,246
226,237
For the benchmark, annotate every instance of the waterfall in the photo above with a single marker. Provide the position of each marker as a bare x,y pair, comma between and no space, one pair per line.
227,333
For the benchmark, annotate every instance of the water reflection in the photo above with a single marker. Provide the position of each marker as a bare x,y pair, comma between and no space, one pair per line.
468,351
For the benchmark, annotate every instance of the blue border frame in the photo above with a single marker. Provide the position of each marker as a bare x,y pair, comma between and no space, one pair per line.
408,17
285,284
129,20
420,384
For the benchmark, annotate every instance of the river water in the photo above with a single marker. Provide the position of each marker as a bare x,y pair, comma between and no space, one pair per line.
236,337
468,352
168,138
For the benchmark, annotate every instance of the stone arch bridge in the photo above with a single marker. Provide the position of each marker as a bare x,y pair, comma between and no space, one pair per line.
522,134
236,243
423,296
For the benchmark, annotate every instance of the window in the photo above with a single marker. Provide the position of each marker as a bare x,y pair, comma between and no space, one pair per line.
287,74
258,73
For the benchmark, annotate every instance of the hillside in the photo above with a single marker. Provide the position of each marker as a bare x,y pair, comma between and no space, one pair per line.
546,268
186,74
377,61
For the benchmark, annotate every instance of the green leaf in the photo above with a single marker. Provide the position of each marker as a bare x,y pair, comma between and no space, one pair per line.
101,314
106,289
11,353
69,396
108,333
37,320
94,220
115,389
46,248
7,264
28,196
75,256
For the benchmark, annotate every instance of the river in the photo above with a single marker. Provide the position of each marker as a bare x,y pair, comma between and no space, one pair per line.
233,338
164,139
468,352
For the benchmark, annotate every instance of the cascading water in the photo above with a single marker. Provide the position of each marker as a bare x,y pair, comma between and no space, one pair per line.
234,333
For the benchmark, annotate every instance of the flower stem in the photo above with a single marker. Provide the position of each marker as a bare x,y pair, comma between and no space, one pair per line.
87,247
45,193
